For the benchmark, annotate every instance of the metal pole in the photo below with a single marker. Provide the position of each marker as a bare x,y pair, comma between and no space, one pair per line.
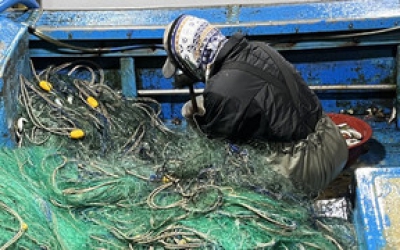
376,87
193,98
397,101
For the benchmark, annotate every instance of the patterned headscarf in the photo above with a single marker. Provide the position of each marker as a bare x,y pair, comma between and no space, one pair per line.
191,44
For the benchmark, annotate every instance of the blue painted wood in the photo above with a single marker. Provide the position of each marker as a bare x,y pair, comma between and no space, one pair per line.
13,61
372,211
252,20
128,77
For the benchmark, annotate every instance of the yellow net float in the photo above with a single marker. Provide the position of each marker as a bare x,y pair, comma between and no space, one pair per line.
165,179
92,102
24,227
77,134
46,86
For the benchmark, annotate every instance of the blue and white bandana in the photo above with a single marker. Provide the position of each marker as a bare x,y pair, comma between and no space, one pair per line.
191,43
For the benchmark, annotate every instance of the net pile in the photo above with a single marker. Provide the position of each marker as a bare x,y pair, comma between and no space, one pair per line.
96,170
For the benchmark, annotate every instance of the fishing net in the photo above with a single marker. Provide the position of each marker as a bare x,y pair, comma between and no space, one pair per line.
97,170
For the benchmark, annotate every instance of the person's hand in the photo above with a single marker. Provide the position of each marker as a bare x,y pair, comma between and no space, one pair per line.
187,109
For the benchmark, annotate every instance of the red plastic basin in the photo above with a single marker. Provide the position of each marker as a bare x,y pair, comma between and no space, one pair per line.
361,126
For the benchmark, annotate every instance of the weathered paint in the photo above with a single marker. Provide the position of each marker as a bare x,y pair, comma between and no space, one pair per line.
128,77
252,20
376,216
13,61
122,4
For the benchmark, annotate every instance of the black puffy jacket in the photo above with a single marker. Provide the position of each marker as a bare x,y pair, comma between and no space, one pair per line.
254,93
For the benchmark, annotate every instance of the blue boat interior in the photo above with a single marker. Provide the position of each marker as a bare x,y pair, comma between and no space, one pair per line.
346,50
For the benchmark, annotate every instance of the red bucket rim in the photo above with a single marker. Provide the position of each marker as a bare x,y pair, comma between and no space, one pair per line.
358,124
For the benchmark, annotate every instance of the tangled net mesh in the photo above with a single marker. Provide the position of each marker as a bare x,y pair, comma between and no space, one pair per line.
132,183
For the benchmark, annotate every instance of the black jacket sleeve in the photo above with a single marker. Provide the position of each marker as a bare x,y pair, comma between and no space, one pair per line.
231,110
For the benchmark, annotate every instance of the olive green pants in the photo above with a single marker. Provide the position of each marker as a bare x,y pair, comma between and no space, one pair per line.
314,162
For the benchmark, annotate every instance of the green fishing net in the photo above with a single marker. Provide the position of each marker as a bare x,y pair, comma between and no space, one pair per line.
96,170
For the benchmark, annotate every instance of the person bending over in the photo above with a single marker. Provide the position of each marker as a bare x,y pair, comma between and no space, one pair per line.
253,94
